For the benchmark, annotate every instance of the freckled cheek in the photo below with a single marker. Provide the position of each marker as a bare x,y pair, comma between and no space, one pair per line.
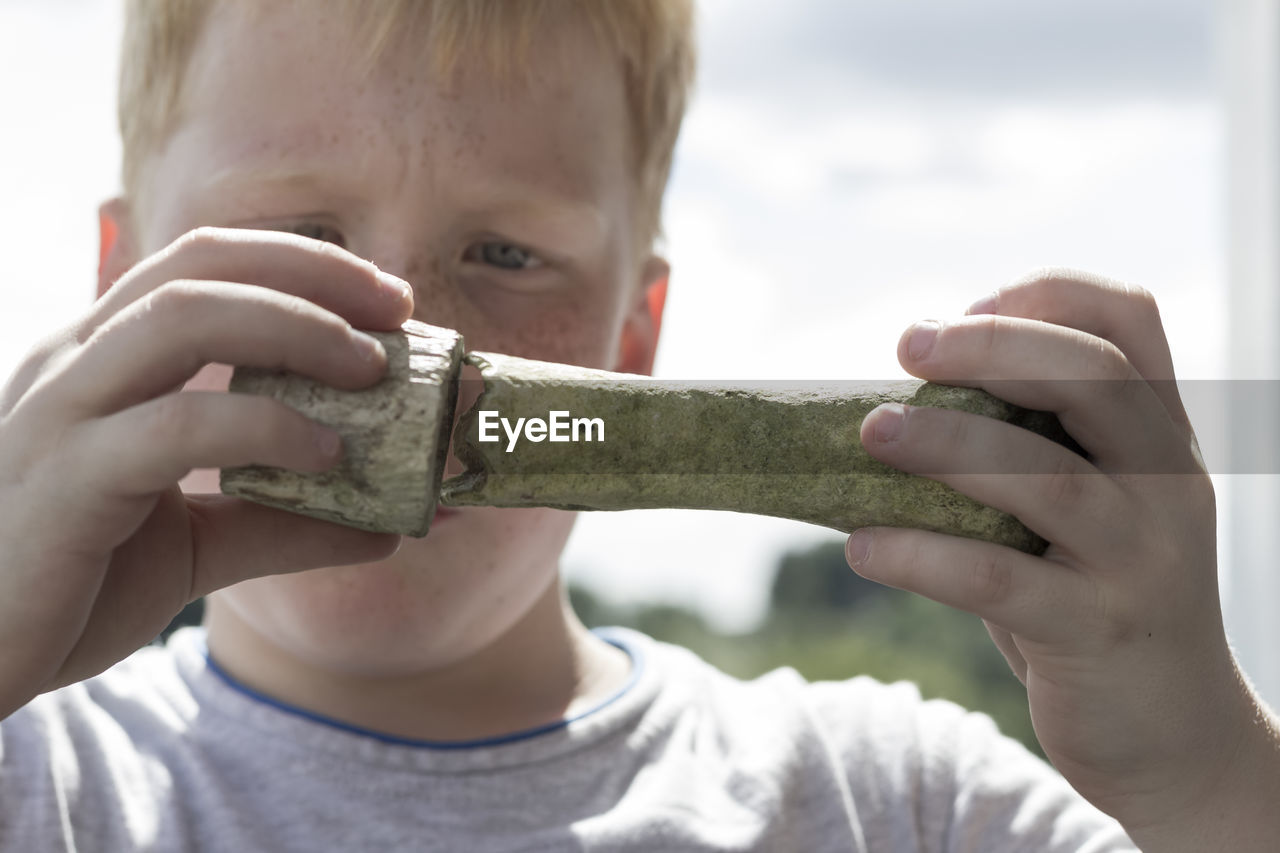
565,328
569,333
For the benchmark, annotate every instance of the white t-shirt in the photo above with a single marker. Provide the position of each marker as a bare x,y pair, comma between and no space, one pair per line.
164,752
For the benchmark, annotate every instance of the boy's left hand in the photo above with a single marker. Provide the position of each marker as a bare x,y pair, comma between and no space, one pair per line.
1116,630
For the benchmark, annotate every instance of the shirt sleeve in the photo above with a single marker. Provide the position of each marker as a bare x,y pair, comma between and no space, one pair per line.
932,777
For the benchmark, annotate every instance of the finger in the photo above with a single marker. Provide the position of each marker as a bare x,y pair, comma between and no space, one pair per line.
36,362
151,446
162,340
1102,401
1050,489
235,540
1029,597
1009,650
1123,314
318,272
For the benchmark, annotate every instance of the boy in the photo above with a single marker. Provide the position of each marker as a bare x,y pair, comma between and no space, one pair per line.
502,165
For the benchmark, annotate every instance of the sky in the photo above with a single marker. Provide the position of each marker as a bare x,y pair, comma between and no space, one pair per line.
850,168
846,169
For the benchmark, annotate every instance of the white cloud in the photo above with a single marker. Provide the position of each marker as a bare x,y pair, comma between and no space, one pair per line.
733,138
977,49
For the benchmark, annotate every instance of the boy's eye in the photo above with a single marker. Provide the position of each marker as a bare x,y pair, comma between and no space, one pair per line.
316,231
507,256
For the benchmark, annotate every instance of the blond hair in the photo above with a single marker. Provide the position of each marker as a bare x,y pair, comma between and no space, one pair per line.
652,39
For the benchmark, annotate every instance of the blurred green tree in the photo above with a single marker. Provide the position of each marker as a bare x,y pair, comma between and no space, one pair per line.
829,623
819,579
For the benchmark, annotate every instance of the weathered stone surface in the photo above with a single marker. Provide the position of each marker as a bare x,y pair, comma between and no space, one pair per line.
395,437
788,451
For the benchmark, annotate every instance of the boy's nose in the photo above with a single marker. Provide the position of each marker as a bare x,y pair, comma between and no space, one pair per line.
410,263
434,292
420,264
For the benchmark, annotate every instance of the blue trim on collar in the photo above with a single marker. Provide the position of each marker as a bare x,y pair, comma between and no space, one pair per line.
613,638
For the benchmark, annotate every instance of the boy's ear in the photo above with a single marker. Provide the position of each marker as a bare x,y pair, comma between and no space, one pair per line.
639,343
116,244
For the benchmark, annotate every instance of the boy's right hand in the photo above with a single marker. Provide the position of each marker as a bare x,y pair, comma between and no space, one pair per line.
99,548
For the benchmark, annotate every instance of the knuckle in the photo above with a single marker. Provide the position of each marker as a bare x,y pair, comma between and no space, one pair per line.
269,424
992,332
43,360
1140,296
271,421
1064,486
320,331
1107,365
291,305
333,324
1116,618
98,337
1097,608
170,418
1054,276
906,556
208,239
956,438
1143,303
174,300
199,241
290,308
325,252
990,581
322,248
1049,279
1041,276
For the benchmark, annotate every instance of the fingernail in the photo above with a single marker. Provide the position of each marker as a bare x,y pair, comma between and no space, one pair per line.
985,305
858,548
887,424
398,288
369,348
922,337
328,442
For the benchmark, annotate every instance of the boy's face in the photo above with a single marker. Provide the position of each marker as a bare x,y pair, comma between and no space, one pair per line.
509,209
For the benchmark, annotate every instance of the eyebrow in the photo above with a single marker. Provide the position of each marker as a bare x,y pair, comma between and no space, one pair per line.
258,175
525,199
562,211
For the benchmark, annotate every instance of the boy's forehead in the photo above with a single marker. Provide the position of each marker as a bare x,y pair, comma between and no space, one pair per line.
276,91
256,54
